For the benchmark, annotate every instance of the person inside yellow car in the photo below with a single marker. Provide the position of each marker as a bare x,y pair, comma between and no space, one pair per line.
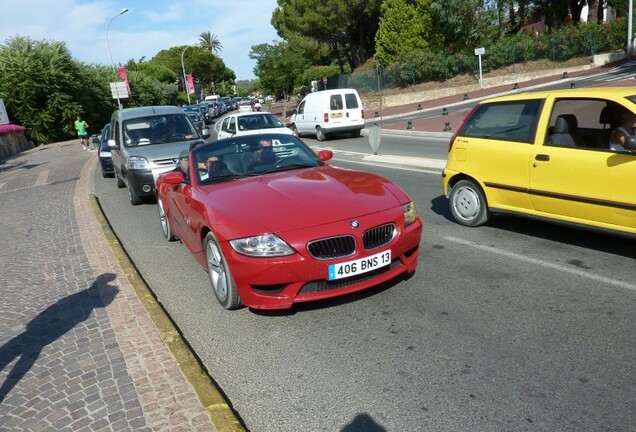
619,136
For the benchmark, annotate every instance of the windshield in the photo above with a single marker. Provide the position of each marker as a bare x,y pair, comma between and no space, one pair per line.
259,121
158,129
251,155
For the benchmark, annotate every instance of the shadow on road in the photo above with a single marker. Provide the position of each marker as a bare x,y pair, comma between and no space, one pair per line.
50,325
363,423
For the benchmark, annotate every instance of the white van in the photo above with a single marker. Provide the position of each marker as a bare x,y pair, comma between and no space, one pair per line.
327,112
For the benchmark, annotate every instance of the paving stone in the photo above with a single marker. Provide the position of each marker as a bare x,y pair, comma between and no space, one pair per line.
73,366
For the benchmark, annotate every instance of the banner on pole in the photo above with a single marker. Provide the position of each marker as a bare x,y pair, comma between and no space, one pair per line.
190,83
121,71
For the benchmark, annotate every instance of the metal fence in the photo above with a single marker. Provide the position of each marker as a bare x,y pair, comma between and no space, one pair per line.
509,54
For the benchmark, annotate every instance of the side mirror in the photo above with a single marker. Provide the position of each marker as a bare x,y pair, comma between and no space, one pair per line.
325,155
630,143
173,177
294,111
112,144
205,133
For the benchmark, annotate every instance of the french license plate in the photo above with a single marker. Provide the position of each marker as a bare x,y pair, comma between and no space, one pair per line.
336,115
359,266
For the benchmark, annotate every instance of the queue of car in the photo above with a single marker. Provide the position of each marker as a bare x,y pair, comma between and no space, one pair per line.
271,222
274,224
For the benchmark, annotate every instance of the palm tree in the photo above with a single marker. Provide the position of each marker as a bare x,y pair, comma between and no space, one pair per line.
210,42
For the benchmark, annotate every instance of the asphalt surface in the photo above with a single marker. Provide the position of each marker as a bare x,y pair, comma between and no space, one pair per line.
84,346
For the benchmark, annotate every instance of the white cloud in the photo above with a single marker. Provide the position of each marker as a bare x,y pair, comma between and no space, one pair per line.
147,28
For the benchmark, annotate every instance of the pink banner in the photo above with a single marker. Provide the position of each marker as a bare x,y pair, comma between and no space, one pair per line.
121,71
190,84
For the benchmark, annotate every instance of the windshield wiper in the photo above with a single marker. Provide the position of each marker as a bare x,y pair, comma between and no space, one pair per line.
289,167
225,177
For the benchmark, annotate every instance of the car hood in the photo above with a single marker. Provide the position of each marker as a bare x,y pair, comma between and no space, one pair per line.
300,198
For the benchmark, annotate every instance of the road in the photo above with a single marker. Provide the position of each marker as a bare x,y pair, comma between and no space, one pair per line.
517,325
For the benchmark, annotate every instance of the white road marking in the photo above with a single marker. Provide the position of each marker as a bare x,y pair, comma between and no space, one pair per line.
42,178
392,166
539,262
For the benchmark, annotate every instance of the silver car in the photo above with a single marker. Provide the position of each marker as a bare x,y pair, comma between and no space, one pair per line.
146,142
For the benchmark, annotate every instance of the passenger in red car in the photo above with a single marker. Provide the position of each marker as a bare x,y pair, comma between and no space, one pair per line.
216,167
182,166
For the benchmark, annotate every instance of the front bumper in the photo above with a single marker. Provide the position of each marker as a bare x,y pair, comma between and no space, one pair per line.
143,181
278,283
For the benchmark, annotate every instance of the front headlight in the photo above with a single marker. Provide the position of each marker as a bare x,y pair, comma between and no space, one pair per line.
264,245
137,162
410,214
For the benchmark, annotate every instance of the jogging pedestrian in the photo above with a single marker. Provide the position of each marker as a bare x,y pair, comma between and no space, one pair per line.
81,127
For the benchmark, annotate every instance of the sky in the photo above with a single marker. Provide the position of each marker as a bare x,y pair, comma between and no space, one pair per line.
148,27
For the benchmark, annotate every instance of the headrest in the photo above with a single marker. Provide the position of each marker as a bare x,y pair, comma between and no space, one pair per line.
565,123
607,115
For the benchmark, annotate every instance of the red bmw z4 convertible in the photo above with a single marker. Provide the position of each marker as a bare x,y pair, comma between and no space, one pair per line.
274,225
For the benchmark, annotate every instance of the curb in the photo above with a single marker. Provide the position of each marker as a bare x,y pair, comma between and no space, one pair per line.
212,400
405,132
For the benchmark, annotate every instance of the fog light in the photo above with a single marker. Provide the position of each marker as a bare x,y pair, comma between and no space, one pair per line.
146,188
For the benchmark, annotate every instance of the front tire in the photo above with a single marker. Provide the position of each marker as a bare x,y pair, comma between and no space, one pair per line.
220,275
295,130
132,195
165,223
119,181
468,204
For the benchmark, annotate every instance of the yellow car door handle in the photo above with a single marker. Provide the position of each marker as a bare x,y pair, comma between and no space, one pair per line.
542,157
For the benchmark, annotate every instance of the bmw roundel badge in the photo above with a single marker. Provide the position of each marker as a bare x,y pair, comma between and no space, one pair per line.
354,224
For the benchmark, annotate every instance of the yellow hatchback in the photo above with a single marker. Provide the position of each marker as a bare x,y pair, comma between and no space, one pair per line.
565,156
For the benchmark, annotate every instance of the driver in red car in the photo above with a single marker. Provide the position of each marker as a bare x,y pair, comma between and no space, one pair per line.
264,156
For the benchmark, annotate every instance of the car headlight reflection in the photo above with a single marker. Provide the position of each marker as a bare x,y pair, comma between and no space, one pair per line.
137,162
410,213
264,245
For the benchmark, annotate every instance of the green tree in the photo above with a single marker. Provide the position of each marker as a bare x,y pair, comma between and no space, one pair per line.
207,68
154,70
454,24
43,87
402,29
278,66
210,42
346,28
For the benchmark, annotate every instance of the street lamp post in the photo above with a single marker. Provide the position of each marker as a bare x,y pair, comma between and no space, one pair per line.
185,84
630,41
123,11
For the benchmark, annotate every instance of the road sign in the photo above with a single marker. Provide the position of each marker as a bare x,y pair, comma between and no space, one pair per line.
119,90
374,138
479,52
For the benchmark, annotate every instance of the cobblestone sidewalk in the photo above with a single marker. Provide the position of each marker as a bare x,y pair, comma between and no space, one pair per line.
78,352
